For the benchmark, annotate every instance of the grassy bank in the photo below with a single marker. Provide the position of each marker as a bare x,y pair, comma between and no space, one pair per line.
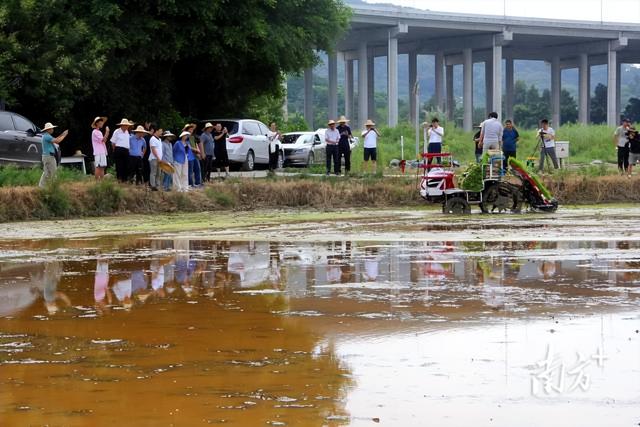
87,199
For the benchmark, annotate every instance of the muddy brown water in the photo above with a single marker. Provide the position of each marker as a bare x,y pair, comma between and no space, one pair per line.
173,331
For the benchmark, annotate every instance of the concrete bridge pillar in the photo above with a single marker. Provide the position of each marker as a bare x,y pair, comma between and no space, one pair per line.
308,96
488,87
496,96
583,88
467,85
612,84
371,95
555,92
451,103
392,76
413,79
333,86
510,89
363,85
439,77
348,89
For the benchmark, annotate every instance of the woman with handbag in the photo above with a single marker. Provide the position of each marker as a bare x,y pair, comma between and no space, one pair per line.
50,150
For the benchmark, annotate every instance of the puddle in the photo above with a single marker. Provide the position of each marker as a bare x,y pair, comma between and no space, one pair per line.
327,332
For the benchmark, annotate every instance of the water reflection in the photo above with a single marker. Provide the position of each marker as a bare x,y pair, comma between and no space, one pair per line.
282,332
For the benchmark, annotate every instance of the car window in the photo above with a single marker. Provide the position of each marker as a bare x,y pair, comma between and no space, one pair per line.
264,130
250,128
290,139
316,139
5,122
308,139
22,124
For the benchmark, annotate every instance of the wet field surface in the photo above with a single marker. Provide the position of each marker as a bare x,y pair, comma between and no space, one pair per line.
196,328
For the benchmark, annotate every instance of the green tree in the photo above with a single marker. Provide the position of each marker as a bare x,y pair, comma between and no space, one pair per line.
599,105
568,107
632,110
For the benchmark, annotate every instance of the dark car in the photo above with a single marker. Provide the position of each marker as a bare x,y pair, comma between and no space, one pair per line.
20,140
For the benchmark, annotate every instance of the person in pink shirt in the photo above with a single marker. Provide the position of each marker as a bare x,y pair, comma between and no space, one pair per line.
98,140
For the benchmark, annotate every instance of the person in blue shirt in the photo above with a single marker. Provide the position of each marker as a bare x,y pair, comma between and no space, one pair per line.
510,137
49,153
137,148
181,150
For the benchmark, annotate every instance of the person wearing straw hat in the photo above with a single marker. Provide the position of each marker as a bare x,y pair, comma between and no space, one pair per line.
370,136
194,174
120,145
49,153
206,140
344,149
181,151
155,157
99,144
332,139
167,156
137,148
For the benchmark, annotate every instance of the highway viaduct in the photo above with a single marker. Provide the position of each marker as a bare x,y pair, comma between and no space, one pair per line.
465,39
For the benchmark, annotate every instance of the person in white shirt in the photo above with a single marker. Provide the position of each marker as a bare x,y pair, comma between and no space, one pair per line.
547,138
370,135
491,133
155,156
435,134
621,141
332,138
120,145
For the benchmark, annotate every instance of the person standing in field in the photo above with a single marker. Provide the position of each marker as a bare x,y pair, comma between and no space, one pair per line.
167,156
206,140
510,137
120,144
547,137
491,133
370,136
194,174
332,139
137,148
181,150
274,146
49,153
220,149
634,148
99,143
435,136
344,149
155,157
621,141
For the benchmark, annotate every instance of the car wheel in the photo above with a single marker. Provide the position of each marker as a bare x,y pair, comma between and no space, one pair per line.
250,162
280,164
310,159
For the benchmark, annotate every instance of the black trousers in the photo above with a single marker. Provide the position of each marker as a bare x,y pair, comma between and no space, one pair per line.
135,169
333,154
506,155
345,150
273,158
207,168
121,159
623,158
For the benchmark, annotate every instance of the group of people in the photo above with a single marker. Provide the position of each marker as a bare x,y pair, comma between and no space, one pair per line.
627,142
492,135
151,154
338,137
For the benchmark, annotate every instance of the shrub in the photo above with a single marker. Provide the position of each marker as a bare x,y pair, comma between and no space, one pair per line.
223,199
55,200
105,197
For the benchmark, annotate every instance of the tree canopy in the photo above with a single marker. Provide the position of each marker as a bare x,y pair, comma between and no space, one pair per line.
68,61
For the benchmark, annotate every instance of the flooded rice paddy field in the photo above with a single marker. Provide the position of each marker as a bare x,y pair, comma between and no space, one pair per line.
491,320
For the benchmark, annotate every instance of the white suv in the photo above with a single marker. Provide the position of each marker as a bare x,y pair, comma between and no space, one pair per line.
248,142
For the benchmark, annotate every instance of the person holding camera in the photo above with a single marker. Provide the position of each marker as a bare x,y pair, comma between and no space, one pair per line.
547,137
435,133
370,136
220,149
621,141
634,148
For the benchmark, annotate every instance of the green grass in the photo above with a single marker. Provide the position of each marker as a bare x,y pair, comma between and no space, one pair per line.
13,176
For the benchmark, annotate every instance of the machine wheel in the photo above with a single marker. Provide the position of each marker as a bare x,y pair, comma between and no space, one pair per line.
501,196
310,159
457,206
250,162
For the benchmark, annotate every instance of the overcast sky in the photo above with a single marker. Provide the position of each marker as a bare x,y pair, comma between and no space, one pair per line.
584,10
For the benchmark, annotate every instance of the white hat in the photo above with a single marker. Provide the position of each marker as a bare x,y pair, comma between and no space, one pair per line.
185,133
369,123
207,126
48,126
103,118
140,129
343,119
331,122
167,133
125,122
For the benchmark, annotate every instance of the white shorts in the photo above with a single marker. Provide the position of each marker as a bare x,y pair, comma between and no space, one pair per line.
100,160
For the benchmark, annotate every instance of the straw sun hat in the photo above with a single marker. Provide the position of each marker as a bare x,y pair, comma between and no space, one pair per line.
97,119
343,119
140,129
369,123
125,122
207,126
48,126
184,133
331,122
